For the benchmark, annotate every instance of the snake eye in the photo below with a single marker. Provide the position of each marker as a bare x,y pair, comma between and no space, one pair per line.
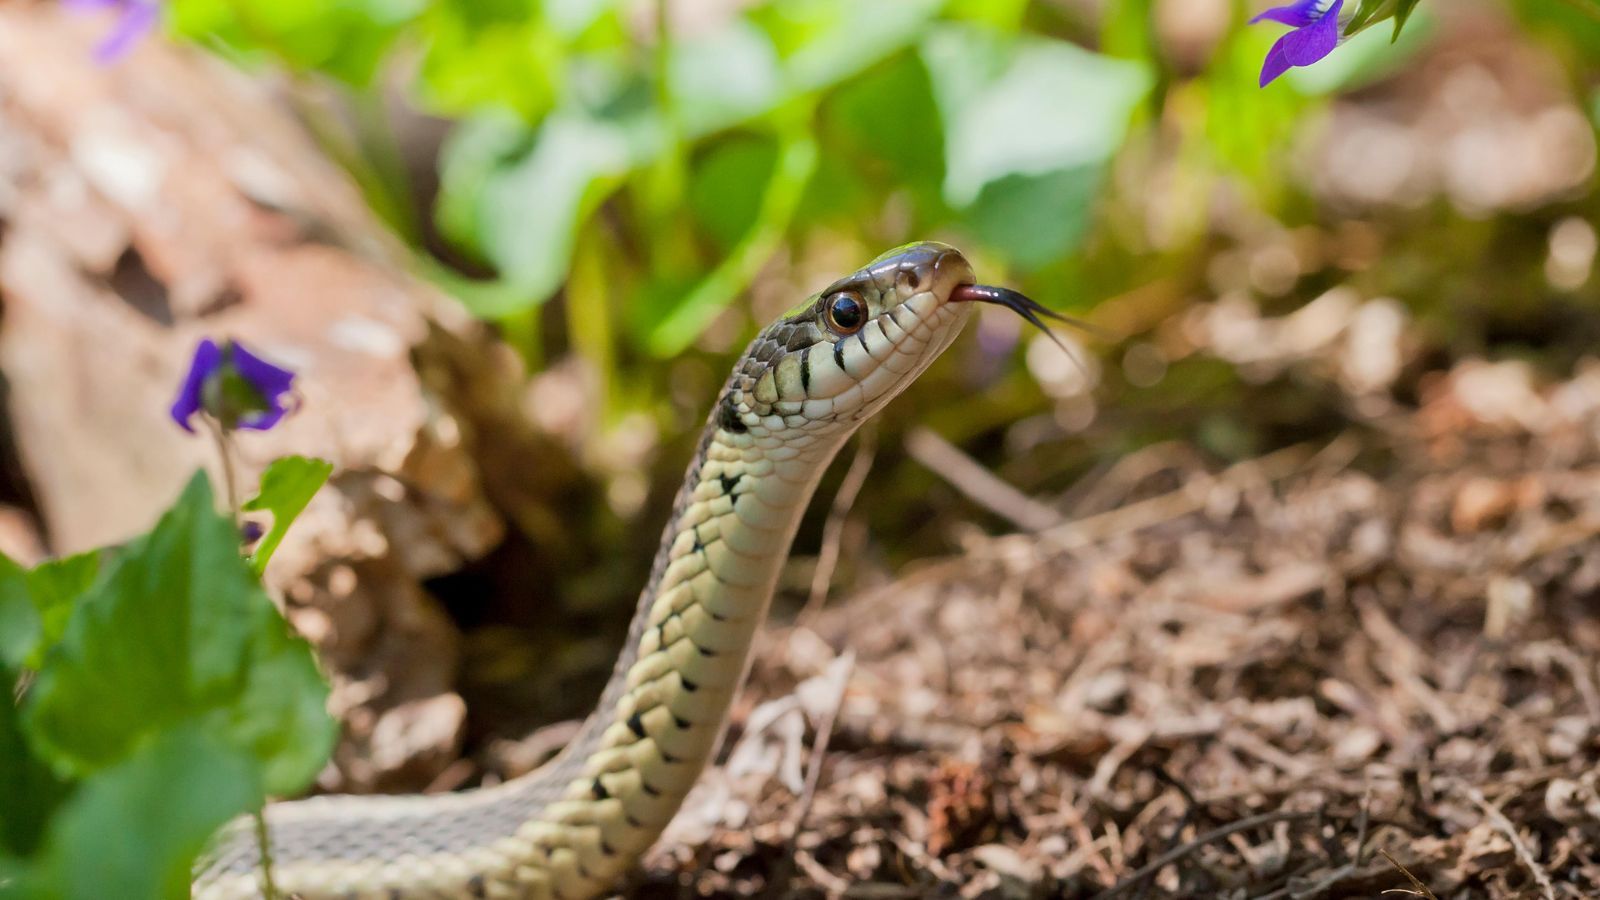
846,312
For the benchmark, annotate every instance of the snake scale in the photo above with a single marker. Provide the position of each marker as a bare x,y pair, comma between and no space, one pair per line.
570,829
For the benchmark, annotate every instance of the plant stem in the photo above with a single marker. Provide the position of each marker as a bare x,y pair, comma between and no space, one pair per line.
219,434
269,890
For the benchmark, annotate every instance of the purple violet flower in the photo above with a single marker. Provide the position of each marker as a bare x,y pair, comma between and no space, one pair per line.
233,386
135,19
1315,34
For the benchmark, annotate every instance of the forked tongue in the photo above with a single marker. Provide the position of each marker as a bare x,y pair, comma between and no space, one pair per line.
1026,307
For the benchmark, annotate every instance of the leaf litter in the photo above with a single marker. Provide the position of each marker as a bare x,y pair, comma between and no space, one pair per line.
1356,668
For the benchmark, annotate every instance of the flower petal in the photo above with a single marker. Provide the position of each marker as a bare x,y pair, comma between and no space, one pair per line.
1275,64
1299,14
207,359
263,419
1304,46
139,17
272,381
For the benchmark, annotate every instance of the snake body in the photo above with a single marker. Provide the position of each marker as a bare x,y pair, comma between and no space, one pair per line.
570,829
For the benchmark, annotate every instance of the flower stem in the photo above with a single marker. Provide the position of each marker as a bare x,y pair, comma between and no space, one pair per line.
269,890
219,434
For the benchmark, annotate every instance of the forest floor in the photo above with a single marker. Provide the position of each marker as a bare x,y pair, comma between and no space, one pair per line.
1359,668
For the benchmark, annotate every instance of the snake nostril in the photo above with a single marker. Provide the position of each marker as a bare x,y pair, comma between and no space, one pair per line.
951,265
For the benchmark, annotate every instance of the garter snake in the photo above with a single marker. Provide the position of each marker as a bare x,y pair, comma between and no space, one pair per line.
570,829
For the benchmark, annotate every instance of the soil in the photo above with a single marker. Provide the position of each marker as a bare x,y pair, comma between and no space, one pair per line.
1340,670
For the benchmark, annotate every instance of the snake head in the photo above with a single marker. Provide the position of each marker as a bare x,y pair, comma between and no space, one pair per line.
837,358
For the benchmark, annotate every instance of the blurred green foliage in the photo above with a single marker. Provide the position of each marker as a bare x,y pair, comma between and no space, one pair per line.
651,172
647,176
159,677
710,145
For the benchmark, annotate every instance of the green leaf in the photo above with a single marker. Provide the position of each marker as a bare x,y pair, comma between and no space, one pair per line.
888,118
346,40
671,333
524,210
286,487
281,715
1366,13
480,58
823,42
473,154
1128,30
36,603
1010,160
1034,219
1401,14
176,630
20,627
723,77
719,186
31,790
135,829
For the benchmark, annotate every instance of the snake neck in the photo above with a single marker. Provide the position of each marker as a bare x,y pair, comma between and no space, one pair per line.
569,830
661,714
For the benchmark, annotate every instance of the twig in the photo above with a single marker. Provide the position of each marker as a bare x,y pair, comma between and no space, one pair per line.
842,667
1191,803
1322,885
1504,826
979,484
1216,834
1419,889
833,884
838,515
839,670
1190,498
1361,826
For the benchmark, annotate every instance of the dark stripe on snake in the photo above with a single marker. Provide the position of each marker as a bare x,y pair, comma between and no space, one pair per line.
728,417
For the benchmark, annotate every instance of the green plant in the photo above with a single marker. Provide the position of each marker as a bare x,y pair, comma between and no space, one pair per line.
152,676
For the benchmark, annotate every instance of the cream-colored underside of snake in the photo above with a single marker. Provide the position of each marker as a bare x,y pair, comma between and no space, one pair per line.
570,829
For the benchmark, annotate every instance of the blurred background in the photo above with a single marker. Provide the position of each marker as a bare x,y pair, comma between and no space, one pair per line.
513,246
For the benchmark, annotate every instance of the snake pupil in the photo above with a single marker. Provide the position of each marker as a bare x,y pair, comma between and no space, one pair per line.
846,313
